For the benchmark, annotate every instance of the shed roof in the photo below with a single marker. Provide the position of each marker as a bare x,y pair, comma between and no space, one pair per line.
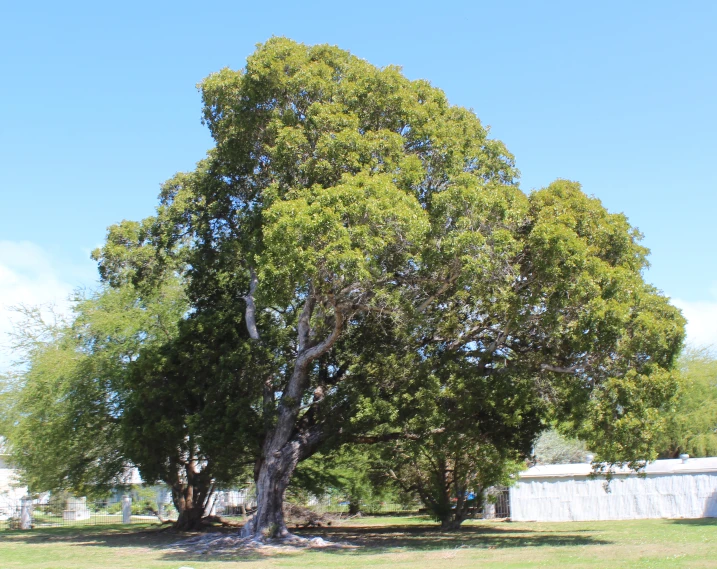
669,466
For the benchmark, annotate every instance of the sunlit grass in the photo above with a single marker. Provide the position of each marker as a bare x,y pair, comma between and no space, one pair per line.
396,542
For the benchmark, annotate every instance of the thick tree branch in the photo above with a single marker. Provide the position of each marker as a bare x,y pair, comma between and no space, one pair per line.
444,287
268,400
290,404
310,354
309,441
556,369
250,314
304,324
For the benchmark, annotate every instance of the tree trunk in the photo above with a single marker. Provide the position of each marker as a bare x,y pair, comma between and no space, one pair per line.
273,477
190,518
354,506
190,498
437,497
451,522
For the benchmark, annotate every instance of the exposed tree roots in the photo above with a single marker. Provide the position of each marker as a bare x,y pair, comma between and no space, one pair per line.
217,544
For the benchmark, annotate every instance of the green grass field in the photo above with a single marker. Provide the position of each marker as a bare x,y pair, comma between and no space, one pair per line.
395,542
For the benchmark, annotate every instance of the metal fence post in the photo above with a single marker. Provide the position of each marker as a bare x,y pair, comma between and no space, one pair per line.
126,509
26,513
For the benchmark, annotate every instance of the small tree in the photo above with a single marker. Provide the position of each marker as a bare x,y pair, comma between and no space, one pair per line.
187,419
64,430
450,475
455,433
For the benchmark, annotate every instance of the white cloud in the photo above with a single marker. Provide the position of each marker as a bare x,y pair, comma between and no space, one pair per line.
28,276
701,318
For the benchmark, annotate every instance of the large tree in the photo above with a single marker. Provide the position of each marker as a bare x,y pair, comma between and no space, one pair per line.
341,201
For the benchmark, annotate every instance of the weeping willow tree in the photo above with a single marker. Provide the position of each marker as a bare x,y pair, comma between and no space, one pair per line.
129,382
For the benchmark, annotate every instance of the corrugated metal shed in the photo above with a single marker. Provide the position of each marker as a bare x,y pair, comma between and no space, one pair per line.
566,492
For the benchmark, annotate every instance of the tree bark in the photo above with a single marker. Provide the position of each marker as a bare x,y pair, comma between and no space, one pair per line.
354,506
273,477
190,498
190,518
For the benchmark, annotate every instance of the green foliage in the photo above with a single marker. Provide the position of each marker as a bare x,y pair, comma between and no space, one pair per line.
459,434
626,416
144,500
129,381
352,474
553,448
692,426
64,432
58,503
350,233
188,401
450,473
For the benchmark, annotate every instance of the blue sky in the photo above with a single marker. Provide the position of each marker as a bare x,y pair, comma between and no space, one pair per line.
98,106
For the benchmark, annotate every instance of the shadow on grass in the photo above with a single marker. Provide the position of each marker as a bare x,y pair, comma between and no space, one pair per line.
359,539
111,535
696,522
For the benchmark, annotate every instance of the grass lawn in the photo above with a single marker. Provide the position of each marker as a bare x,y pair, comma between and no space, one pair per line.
386,542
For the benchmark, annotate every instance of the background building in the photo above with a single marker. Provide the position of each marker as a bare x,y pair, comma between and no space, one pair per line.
679,488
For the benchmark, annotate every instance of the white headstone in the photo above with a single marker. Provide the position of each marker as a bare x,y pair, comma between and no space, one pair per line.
126,509
26,513
76,509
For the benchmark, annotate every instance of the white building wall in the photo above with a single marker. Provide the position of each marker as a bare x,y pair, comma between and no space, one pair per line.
579,498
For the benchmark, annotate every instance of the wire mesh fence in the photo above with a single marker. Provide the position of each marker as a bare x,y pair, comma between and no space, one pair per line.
147,504
136,505
239,503
78,511
10,517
